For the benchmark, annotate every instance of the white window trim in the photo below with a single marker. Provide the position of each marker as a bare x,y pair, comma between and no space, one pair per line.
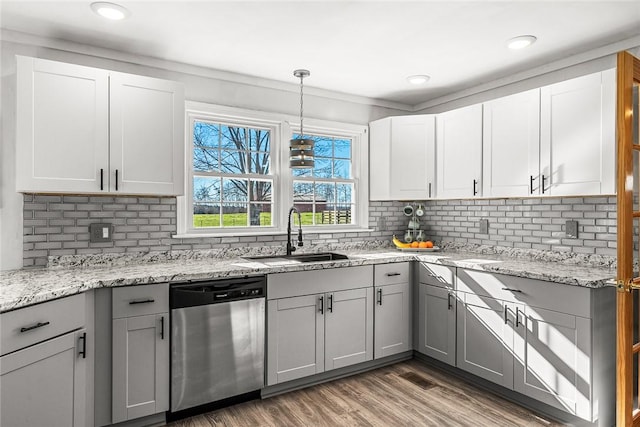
282,126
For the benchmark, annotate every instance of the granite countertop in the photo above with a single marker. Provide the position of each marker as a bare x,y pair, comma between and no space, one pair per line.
21,288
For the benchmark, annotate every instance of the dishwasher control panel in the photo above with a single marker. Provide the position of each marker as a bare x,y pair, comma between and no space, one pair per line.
192,294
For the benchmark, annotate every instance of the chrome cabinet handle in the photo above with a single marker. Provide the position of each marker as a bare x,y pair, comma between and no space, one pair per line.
379,296
512,290
36,326
321,305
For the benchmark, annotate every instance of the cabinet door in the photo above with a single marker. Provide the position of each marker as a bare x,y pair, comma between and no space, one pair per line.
511,145
295,338
45,384
62,127
146,135
348,328
397,145
392,331
140,366
553,359
577,135
459,152
437,323
485,338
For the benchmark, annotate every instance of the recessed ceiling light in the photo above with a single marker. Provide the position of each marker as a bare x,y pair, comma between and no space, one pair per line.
110,10
521,42
419,79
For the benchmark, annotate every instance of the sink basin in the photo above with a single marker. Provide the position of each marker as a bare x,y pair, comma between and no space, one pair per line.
284,259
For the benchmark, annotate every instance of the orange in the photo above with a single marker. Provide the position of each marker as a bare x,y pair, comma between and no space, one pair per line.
423,245
414,244
428,244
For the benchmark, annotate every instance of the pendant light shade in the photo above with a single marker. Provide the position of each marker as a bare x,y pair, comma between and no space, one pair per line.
301,149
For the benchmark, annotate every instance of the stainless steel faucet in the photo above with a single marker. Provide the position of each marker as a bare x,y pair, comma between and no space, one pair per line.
290,247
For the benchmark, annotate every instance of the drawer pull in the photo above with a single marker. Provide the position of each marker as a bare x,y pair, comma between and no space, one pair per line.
450,306
83,352
512,290
162,328
142,301
379,296
505,315
36,326
321,305
393,274
330,305
517,317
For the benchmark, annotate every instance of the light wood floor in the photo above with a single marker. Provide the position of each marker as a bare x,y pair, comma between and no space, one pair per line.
404,394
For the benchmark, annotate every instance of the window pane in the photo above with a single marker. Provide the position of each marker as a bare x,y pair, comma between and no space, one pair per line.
301,172
235,190
302,192
206,215
325,194
260,214
259,140
322,168
206,189
342,148
259,162
344,195
234,138
205,159
206,134
260,191
341,169
323,147
233,161
306,213
234,215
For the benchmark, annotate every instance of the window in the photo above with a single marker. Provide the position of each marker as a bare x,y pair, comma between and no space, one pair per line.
324,194
239,182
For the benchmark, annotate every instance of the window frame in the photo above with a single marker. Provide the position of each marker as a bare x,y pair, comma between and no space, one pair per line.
282,126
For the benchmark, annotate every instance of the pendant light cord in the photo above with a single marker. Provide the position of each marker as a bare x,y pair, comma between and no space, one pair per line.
301,106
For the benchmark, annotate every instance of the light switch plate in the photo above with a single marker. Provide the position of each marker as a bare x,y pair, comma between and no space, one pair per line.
100,232
484,226
571,229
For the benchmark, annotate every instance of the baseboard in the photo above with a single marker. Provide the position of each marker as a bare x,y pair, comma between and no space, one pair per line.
148,421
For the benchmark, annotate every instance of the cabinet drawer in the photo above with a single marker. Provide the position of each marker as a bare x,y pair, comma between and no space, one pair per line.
568,299
436,275
140,300
30,325
295,284
390,274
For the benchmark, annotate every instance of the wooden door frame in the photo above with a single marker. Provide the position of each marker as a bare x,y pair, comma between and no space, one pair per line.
628,72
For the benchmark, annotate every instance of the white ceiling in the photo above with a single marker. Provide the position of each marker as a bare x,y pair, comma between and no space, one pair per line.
365,48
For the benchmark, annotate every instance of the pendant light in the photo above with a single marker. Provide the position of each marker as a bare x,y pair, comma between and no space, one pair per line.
301,149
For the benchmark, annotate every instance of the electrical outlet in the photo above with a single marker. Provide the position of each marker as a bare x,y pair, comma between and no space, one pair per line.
484,226
571,229
100,232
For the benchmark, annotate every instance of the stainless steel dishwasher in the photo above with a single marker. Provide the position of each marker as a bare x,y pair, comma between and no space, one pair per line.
217,340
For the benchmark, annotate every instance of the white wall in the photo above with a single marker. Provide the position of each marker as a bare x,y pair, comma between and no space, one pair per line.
200,85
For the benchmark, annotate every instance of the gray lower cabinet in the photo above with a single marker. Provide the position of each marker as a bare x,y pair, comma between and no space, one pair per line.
392,331
295,338
312,334
45,384
437,323
553,359
140,352
318,321
485,338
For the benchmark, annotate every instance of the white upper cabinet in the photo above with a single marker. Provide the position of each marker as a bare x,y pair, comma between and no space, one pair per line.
577,135
511,145
459,153
402,158
86,130
62,126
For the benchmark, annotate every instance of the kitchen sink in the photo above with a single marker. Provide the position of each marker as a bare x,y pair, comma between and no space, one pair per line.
284,259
